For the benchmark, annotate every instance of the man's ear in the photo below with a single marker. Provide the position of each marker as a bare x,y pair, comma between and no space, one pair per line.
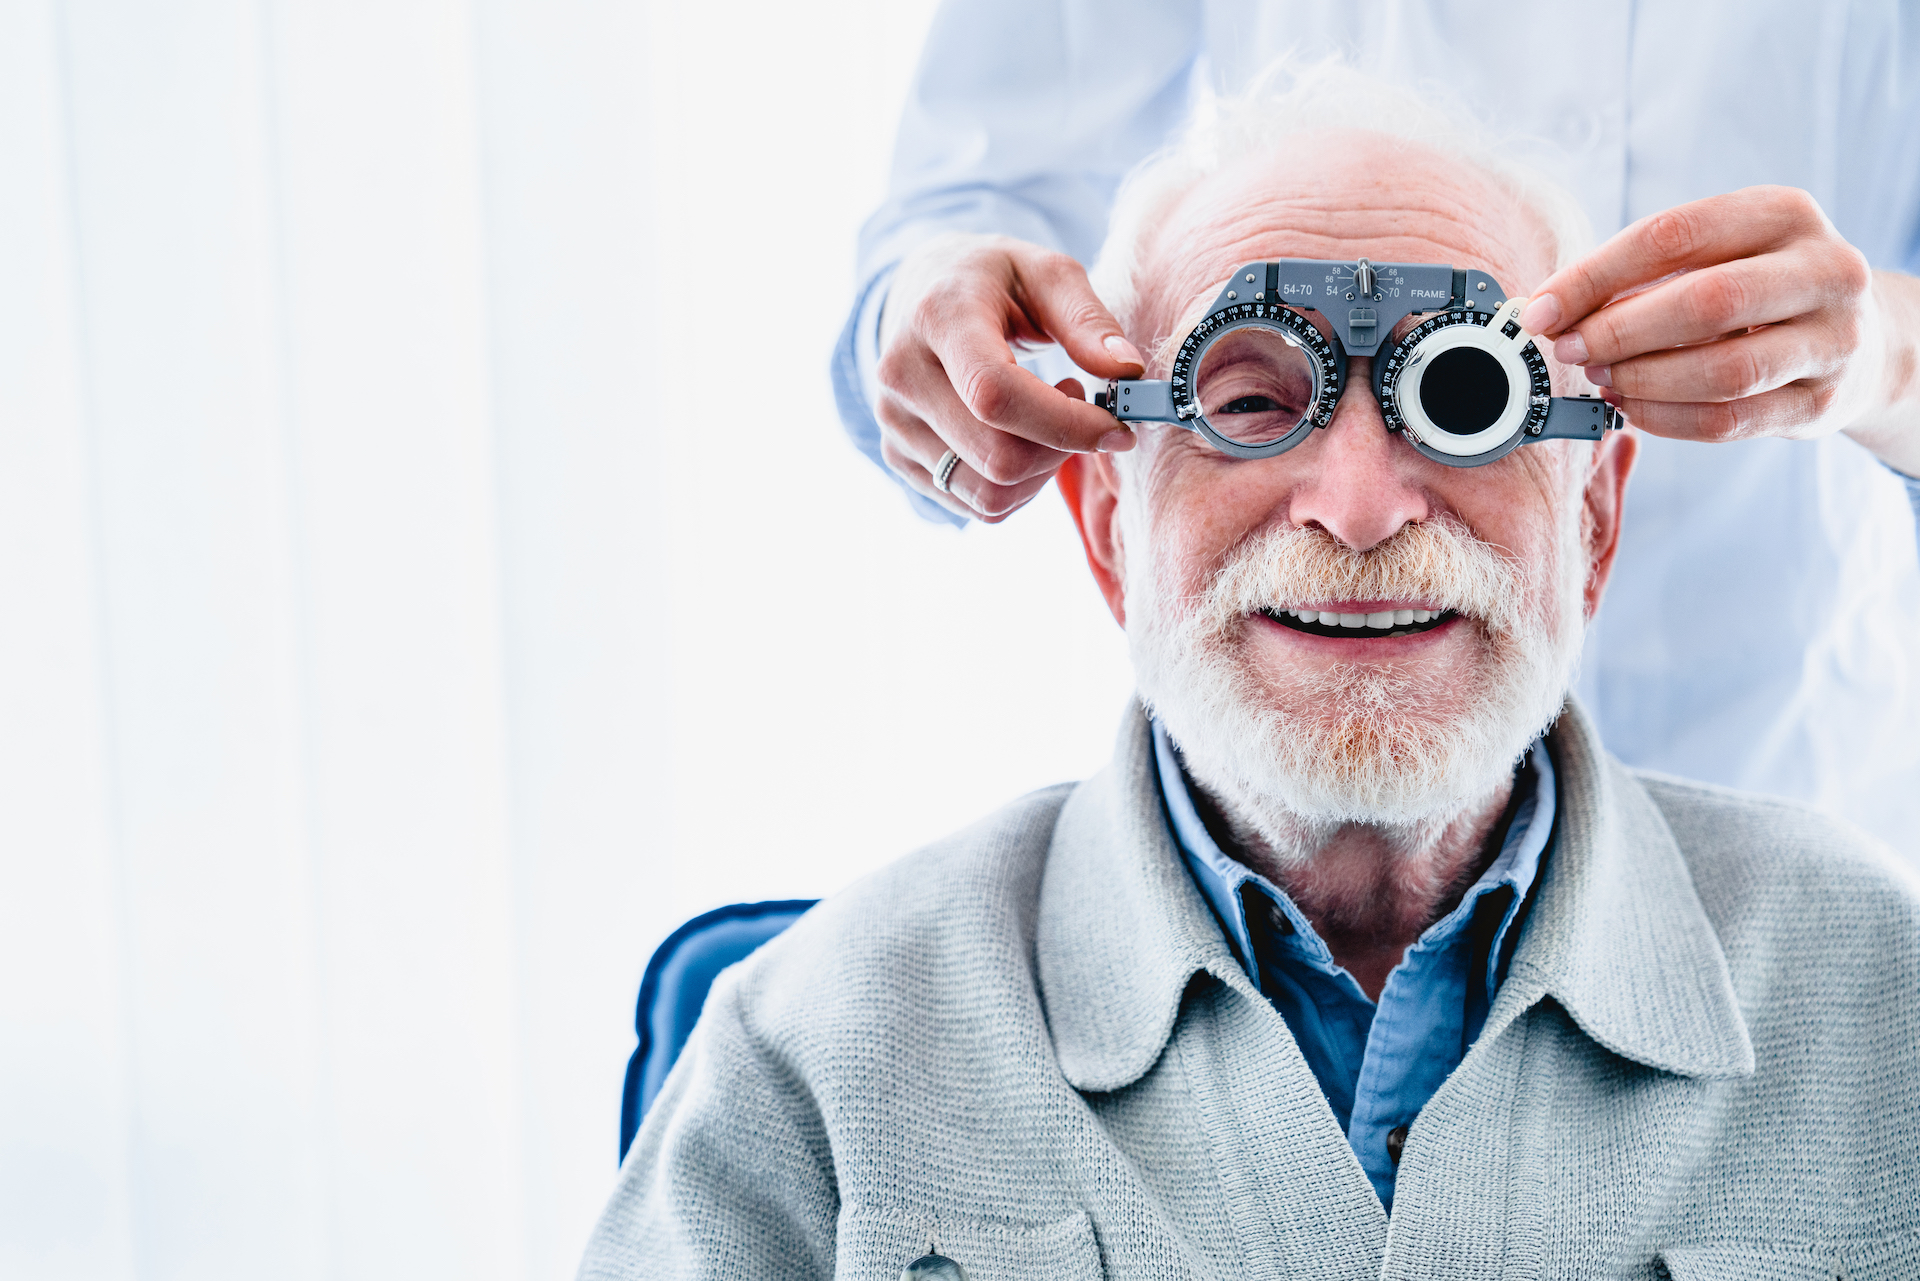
1092,489
1606,496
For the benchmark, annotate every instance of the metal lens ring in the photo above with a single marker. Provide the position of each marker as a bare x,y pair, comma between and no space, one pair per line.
1252,337
1463,394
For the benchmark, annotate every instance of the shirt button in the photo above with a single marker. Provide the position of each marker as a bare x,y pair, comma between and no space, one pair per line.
1396,1142
933,1267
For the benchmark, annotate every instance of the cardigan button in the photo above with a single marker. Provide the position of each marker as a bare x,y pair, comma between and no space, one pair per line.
1396,1143
934,1267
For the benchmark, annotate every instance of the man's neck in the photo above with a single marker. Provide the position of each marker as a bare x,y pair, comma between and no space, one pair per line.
1370,891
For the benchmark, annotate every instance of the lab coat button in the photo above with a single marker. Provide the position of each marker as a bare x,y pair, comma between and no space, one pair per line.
1580,131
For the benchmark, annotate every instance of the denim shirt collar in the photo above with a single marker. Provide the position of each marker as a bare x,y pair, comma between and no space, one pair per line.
1222,878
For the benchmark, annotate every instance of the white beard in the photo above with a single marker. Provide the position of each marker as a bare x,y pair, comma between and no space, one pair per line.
1292,759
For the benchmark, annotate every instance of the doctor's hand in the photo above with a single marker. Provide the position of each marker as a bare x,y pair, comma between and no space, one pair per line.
954,309
1740,316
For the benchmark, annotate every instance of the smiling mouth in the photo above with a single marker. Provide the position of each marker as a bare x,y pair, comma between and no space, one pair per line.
1399,622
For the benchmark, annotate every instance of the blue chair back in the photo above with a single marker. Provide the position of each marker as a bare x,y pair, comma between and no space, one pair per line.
675,987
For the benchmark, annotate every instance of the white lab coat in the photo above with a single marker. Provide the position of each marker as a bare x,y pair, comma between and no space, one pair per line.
1763,625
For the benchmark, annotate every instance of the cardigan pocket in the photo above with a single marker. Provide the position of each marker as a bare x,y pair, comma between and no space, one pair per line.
876,1244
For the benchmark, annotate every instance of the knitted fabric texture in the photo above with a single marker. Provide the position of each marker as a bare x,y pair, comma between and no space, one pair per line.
1030,1047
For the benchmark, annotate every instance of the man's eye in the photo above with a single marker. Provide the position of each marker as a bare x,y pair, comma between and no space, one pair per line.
1249,405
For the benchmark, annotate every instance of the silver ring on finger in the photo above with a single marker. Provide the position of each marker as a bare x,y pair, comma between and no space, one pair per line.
943,471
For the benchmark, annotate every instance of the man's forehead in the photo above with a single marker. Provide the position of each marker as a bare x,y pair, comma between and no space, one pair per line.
1341,196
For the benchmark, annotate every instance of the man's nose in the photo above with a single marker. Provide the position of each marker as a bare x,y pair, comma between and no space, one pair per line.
1362,483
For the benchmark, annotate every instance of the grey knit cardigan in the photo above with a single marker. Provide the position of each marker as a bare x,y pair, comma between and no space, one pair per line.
1029,1047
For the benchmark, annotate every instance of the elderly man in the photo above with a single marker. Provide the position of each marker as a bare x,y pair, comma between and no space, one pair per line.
1363,958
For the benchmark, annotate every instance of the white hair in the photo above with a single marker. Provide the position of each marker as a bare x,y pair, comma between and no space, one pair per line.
1287,100
1294,756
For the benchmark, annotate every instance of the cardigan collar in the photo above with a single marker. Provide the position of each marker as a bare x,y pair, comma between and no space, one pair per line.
1616,935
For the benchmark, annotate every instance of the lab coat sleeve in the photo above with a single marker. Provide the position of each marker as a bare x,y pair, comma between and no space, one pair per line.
1022,120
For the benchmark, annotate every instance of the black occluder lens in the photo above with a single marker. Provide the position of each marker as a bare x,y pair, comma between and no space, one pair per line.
1463,390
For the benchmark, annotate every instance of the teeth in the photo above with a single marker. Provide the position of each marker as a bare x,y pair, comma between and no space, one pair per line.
1383,620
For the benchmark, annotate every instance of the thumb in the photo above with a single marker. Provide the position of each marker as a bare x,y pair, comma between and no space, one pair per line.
1061,303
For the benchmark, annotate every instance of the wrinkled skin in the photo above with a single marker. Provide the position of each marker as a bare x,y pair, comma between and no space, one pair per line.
1354,479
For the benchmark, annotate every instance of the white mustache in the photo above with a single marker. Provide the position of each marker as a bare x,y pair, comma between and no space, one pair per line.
1439,563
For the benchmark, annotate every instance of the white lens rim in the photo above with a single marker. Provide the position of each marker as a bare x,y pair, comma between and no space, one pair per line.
1512,419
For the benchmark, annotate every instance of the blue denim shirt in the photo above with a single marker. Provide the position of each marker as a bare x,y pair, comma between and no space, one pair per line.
1377,1064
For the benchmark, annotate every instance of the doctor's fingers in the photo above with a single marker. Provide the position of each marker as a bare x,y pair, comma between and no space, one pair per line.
914,450
968,347
915,387
910,470
1784,411
1803,354
1702,305
1690,237
1053,290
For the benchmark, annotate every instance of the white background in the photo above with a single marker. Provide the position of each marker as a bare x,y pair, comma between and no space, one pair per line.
431,570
